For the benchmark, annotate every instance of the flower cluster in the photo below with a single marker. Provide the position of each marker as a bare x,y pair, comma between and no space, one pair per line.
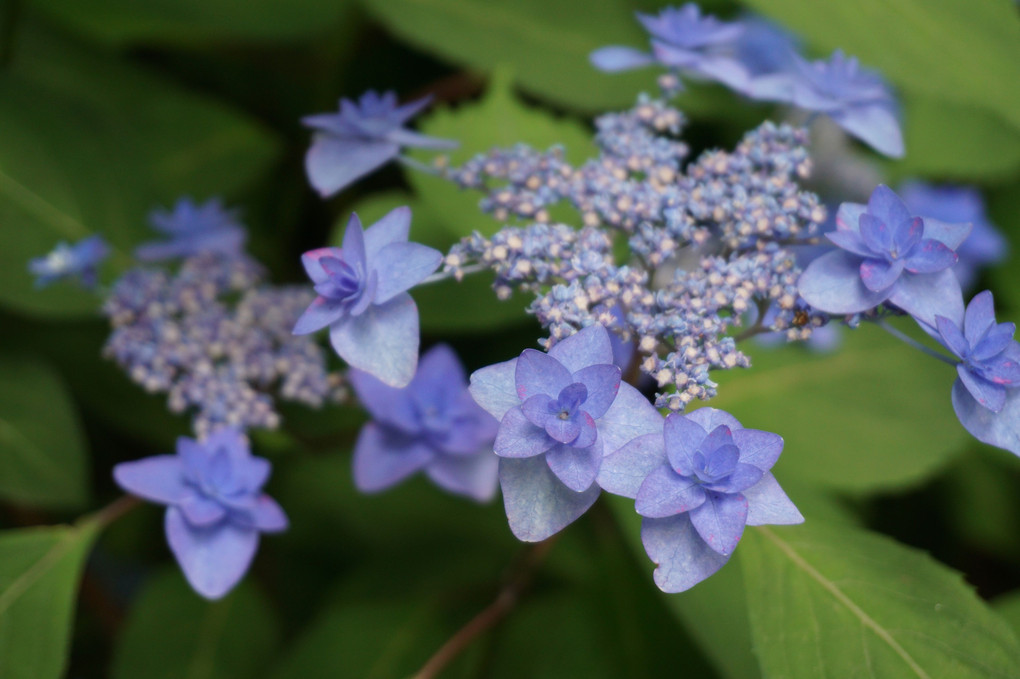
193,229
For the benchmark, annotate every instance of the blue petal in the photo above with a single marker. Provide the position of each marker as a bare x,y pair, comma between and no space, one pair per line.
683,435
665,493
758,448
979,317
566,431
333,163
401,266
949,234
630,416
623,472
832,283
492,387
539,409
421,141
354,244
990,395
539,373
385,403
615,58
850,241
876,125
213,559
200,511
720,521
931,256
925,296
159,478
474,476
602,383
394,227
575,467
875,233
951,337
319,314
878,274
383,341
1001,429
310,260
848,217
588,434
726,70
682,557
537,503
384,457
517,437
994,342
887,206
710,418
768,504
590,346
268,516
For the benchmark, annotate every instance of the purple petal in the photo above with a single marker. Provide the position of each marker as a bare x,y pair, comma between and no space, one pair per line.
758,448
718,438
672,55
979,317
383,341
630,416
875,233
394,227
931,256
990,395
384,457
994,342
213,559
493,388
588,434
616,58
354,244
539,373
665,493
517,437
401,266
949,234
421,141
848,217
310,260
254,473
951,337
623,472
887,206
575,467
319,314
925,296
1001,429
590,346
683,435
832,283
682,557
908,234
474,476
566,431
539,410
386,404
333,163
720,521
726,70
200,511
768,504
711,418
537,503
878,275
875,125
268,516
850,241
602,383
771,87
743,477
158,479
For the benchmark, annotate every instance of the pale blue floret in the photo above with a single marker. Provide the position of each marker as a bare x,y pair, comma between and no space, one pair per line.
79,261
361,137
431,425
194,228
362,298
216,509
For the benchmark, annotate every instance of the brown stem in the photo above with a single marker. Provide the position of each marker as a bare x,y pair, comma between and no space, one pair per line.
116,509
489,616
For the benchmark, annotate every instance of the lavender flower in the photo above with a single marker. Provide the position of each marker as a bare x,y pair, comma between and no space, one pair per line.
373,322
685,40
216,509
765,47
559,413
887,255
79,261
855,98
697,482
194,228
432,424
361,137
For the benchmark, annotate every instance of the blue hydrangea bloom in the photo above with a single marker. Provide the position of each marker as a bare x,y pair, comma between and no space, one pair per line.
685,40
559,413
194,228
80,261
432,424
373,322
697,482
984,246
765,47
216,509
361,137
887,255
857,99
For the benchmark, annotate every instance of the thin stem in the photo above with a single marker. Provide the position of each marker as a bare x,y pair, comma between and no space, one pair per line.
116,509
445,275
506,600
914,343
420,166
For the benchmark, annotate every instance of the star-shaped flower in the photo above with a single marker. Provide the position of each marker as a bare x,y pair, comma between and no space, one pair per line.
80,261
432,424
216,509
887,255
194,228
697,482
559,413
361,137
373,322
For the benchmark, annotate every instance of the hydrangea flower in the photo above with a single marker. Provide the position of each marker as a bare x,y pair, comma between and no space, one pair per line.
685,40
697,482
765,47
432,424
80,261
857,99
194,228
373,322
887,255
948,203
559,413
361,137
216,509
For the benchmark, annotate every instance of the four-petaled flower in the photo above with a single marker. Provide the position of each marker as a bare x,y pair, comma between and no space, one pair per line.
373,322
887,255
216,507
432,424
697,482
559,413
361,137
80,261
194,228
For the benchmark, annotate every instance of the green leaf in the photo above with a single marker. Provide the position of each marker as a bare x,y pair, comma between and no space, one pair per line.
42,449
172,633
39,573
825,599
874,414
1008,606
962,52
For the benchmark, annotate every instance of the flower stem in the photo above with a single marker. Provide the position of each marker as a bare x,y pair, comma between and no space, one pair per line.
914,343
116,509
407,161
444,275
506,600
